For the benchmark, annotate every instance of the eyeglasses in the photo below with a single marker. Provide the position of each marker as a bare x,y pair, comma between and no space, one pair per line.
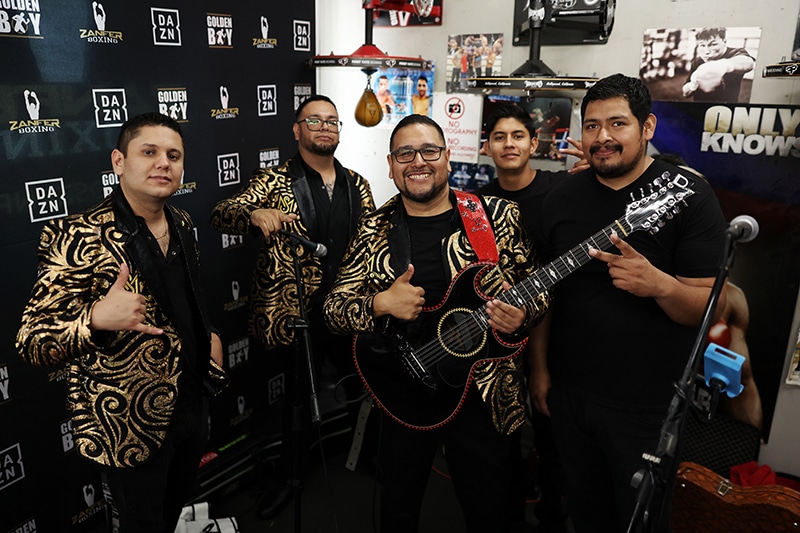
407,155
315,124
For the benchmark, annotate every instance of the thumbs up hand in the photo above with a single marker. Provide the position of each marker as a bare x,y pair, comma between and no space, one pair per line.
122,310
402,300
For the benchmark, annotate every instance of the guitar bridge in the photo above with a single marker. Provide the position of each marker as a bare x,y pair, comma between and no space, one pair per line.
410,362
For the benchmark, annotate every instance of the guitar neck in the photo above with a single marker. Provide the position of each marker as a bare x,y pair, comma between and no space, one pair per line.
545,277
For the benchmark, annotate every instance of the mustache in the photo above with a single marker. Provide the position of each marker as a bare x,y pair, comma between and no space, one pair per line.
607,146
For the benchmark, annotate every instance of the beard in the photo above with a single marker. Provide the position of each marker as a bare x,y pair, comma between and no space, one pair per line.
608,170
422,196
323,149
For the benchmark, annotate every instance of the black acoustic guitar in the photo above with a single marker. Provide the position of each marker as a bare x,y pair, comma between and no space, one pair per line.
419,373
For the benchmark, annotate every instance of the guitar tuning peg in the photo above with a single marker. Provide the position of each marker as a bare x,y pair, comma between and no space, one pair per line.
633,198
660,223
654,230
670,215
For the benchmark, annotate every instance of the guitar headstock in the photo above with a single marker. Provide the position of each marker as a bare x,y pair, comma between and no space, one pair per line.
665,199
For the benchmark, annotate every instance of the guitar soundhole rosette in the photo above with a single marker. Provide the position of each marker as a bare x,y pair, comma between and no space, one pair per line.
458,335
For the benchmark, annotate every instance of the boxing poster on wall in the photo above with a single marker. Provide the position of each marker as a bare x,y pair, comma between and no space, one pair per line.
401,92
472,55
749,155
699,64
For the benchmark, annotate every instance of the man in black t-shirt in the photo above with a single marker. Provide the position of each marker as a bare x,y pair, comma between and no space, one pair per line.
511,142
620,328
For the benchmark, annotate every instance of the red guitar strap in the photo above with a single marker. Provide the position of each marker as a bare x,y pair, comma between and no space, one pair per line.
476,223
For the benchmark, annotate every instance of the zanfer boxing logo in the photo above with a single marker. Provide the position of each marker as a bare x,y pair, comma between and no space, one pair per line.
220,30
228,169
237,302
302,36
46,199
174,103
35,124
166,26
110,107
93,505
100,35
13,469
265,41
267,100
20,18
224,111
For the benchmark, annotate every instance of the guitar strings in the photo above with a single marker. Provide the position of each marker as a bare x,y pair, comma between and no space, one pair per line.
431,352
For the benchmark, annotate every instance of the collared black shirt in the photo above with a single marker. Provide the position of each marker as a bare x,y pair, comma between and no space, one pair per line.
332,224
172,273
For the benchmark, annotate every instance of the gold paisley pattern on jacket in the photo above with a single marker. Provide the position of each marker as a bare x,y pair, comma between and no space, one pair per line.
273,299
121,385
367,270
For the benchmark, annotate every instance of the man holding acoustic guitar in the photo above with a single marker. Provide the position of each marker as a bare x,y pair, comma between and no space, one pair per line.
426,286
620,330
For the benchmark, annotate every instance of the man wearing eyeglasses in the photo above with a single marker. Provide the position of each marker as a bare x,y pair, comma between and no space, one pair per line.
312,196
401,261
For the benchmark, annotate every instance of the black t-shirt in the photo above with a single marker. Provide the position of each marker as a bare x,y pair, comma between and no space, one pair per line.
529,199
605,343
427,256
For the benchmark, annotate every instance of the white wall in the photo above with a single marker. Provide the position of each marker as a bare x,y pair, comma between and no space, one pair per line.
340,30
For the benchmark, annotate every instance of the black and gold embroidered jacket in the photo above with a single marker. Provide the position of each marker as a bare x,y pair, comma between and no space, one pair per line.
273,297
122,386
381,251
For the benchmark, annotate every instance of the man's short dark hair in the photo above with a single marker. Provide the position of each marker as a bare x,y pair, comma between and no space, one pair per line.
707,34
313,98
408,120
618,85
510,111
130,129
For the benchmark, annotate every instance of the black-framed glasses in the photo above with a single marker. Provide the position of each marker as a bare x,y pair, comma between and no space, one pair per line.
315,124
407,155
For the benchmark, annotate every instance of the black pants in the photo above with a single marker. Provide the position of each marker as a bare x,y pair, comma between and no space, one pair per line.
485,467
600,449
149,497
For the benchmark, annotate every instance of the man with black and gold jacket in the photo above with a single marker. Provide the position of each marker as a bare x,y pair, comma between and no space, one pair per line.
314,197
118,300
402,261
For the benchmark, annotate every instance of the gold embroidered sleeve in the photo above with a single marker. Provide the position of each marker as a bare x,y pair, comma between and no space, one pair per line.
364,272
232,215
55,321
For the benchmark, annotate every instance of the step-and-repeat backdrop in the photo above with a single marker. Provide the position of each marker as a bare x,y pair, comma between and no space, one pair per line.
232,73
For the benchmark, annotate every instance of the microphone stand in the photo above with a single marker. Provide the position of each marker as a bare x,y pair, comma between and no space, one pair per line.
655,483
302,342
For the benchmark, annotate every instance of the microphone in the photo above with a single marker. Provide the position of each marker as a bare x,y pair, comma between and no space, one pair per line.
743,228
316,249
